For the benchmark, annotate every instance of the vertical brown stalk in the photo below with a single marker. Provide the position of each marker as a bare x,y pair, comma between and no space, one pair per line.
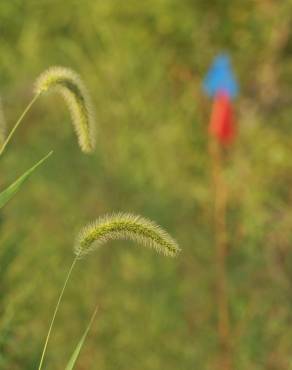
220,201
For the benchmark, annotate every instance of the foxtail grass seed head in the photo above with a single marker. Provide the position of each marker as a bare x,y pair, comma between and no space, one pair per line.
2,125
71,87
125,226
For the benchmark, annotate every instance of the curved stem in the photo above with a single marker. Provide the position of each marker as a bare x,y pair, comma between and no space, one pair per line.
18,123
55,313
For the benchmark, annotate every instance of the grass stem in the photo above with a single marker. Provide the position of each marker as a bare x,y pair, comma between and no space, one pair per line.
55,313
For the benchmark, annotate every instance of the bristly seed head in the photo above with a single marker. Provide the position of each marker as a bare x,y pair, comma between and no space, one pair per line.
71,87
125,226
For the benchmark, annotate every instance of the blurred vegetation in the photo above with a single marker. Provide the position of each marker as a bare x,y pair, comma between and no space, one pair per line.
143,63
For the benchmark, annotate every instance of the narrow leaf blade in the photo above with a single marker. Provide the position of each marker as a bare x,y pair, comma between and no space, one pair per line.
77,350
9,192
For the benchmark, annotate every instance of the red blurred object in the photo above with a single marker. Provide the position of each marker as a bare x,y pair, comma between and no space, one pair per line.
222,124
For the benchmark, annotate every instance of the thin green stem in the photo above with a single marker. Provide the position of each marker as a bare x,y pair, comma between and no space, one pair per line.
55,313
18,123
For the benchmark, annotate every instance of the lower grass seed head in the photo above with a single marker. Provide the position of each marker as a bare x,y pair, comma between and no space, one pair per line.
71,87
125,226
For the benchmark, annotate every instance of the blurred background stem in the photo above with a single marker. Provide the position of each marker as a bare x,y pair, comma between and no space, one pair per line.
221,240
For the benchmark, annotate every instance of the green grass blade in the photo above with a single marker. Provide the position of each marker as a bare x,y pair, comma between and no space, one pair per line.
77,350
9,192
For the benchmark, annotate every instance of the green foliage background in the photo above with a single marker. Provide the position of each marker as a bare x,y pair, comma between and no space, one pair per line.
143,63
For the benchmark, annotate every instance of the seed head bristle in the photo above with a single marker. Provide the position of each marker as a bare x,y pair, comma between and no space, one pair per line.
69,84
125,226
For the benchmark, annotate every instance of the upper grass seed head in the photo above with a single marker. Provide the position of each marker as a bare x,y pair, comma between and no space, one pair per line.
125,226
71,87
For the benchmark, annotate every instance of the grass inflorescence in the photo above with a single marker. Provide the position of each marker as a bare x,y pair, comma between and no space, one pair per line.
125,226
69,84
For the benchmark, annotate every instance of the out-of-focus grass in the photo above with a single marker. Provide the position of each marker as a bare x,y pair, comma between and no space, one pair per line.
143,63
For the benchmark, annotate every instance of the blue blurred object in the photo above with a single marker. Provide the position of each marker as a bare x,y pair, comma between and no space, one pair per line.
220,77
